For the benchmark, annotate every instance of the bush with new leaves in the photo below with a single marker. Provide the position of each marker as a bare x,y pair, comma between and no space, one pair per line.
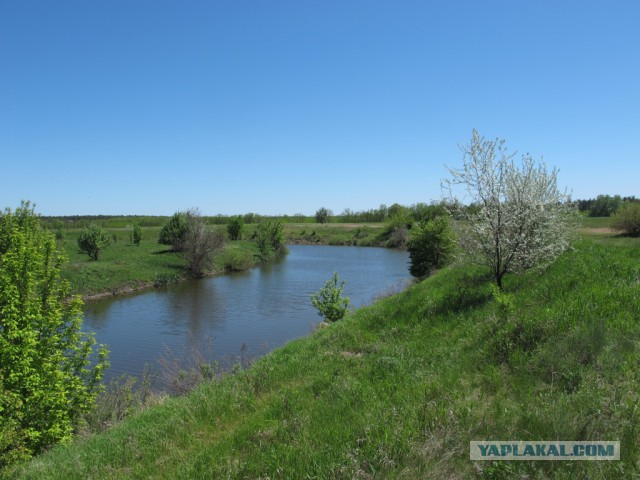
431,246
235,228
627,219
93,239
47,382
329,302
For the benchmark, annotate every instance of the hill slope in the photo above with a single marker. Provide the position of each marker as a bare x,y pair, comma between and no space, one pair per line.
398,389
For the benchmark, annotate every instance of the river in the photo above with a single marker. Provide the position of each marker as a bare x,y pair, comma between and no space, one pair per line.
243,315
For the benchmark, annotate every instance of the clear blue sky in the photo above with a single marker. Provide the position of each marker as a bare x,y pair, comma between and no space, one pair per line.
274,107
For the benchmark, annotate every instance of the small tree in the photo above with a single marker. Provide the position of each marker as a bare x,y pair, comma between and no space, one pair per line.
270,239
522,220
323,214
93,239
199,244
136,234
627,219
174,231
331,305
47,382
235,228
431,246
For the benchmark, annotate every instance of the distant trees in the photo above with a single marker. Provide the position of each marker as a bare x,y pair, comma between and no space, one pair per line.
627,219
329,302
93,239
323,214
235,228
431,246
523,221
48,379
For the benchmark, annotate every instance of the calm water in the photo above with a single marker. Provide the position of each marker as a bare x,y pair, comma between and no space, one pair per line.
261,309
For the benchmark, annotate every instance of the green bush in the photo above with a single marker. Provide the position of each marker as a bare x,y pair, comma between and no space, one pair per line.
270,239
46,382
627,219
331,305
235,228
136,235
93,239
431,246
174,231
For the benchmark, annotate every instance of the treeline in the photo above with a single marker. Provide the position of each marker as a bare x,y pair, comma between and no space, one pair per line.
417,211
604,205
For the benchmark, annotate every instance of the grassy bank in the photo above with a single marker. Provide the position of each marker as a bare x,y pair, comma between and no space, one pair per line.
398,389
124,267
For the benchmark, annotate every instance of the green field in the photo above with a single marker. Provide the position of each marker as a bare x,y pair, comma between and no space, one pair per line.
399,388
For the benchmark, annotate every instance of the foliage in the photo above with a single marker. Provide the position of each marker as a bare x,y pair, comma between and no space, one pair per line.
323,214
605,205
136,234
523,220
270,239
174,231
235,228
627,219
93,239
431,246
46,383
199,244
329,302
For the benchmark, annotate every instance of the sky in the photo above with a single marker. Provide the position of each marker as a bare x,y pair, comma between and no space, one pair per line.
148,107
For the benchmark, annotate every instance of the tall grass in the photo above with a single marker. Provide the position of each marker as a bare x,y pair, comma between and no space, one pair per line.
399,389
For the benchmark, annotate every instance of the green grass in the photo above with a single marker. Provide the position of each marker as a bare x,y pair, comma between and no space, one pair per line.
596,222
363,235
398,389
123,266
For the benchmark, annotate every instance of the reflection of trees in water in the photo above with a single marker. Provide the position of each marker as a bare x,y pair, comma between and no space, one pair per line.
196,306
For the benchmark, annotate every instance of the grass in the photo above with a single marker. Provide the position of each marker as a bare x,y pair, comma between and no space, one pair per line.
124,267
399,388
363,235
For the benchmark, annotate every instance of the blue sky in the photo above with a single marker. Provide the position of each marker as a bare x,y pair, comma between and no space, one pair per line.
281,107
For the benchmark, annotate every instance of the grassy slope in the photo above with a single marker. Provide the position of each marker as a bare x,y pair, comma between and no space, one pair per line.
398,389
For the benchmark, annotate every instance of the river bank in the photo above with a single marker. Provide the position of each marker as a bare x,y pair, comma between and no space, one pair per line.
124,268
397,389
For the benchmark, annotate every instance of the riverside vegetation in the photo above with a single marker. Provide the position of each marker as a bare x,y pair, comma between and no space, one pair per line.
399,388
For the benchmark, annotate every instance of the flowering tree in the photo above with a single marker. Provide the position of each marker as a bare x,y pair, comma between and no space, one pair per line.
522,221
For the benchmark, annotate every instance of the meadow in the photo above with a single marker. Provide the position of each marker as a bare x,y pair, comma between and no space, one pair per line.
399,389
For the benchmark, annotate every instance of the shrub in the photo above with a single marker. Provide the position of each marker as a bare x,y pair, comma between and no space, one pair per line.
270,239
235,228
431,246
46,383
93,239
136,235
627,219
331,305
174,231
323,214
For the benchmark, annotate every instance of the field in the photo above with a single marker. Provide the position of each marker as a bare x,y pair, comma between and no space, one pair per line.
398,389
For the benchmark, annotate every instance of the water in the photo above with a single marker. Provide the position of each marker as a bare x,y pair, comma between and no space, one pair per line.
241,314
